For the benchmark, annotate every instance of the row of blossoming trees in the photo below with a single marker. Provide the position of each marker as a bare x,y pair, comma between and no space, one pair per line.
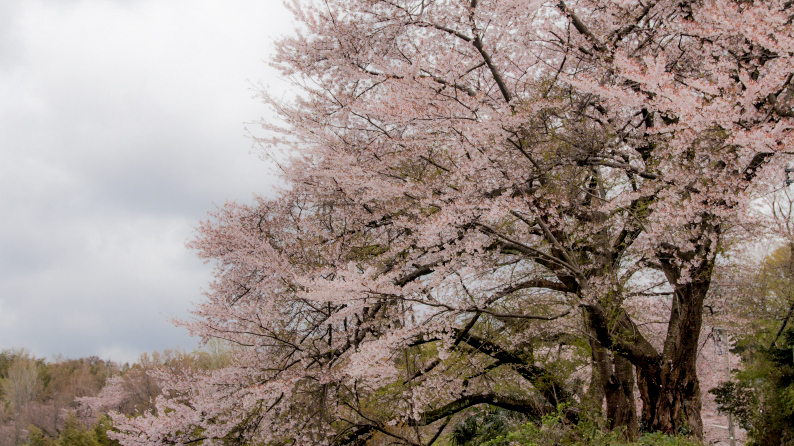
484,198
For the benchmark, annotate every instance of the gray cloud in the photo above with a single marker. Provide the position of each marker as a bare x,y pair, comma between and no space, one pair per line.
121,123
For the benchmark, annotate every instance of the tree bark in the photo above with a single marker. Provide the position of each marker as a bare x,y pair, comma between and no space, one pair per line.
615,381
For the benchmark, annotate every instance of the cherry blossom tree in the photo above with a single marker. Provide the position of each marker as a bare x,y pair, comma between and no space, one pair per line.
479,193
19,388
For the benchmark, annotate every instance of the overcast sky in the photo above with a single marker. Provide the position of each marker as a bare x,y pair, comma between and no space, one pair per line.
122,123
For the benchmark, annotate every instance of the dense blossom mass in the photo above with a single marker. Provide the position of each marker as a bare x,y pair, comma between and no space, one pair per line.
484,200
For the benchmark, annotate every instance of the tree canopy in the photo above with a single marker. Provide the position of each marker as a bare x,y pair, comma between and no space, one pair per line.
485,197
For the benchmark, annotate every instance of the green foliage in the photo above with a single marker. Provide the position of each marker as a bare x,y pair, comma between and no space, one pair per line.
36,438
738,399
215,354
484,425
552,430
6,358
556,429
761,397
74,434
101,428
658,439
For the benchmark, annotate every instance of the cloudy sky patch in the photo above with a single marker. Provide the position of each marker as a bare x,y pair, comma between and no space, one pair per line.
121,125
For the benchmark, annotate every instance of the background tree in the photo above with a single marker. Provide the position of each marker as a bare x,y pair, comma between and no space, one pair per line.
36,438
20,386
134,389
760,394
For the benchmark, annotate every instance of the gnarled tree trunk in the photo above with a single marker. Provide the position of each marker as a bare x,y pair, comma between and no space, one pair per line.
668,382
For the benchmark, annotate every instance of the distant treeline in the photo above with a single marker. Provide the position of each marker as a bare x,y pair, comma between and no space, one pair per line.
65,402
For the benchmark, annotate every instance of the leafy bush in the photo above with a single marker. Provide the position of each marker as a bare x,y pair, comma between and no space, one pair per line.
494,428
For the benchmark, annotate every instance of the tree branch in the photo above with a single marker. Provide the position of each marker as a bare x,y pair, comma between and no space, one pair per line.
497,76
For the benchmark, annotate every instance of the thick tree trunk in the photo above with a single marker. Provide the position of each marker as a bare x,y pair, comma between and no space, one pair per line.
671,395
671,402
671,391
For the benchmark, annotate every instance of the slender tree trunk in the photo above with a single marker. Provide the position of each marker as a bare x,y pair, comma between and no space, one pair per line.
614,377
620,397
649,383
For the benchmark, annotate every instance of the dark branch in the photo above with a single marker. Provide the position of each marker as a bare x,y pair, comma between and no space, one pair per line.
623,337
528,407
